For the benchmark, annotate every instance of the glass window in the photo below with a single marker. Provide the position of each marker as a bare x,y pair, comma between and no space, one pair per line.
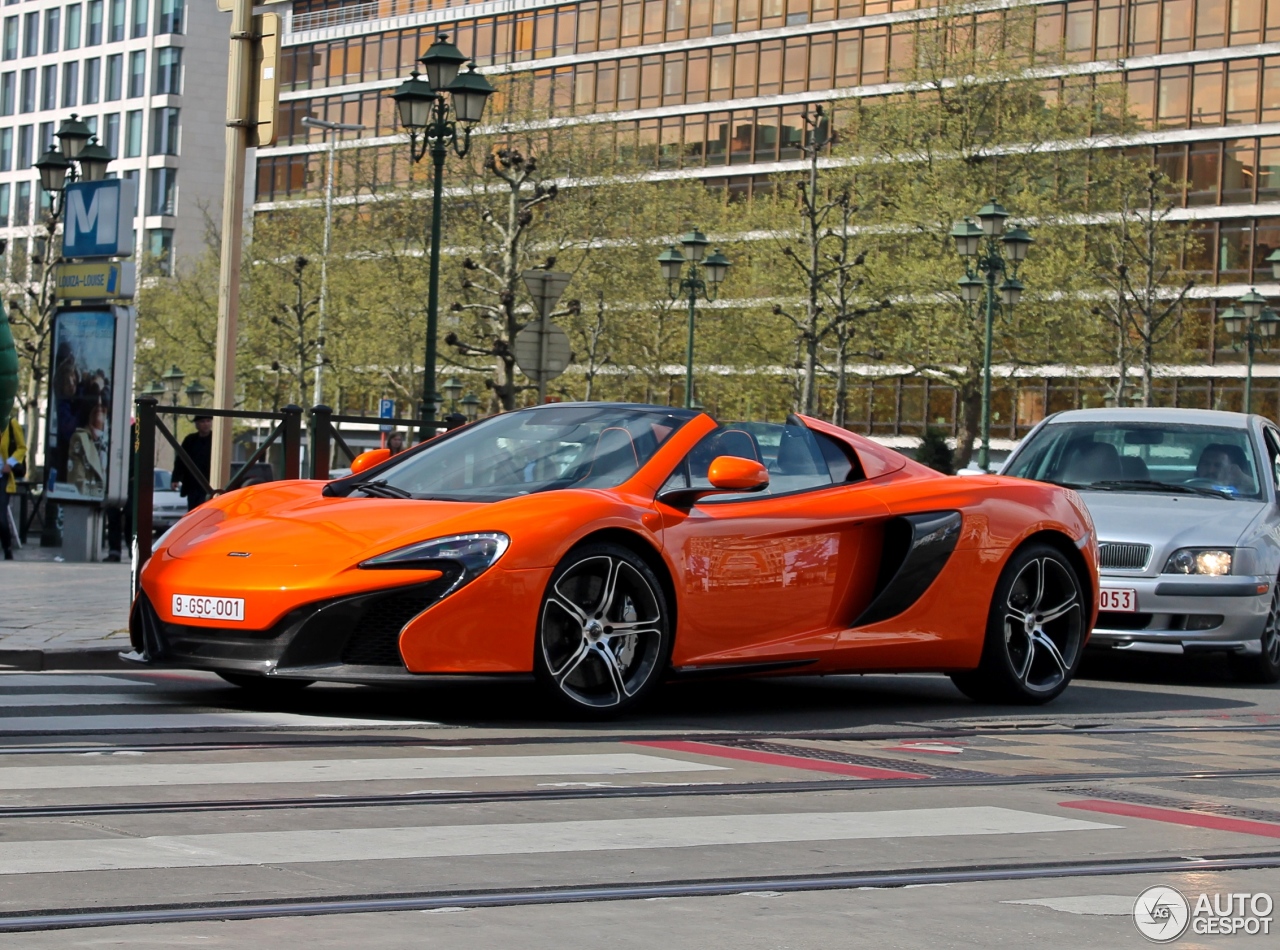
133,134
139,26
8,92
1141,457
115,29
92,80
1239,171
27,93
1246,22
11,37
70,83
94,35
164,131
168,71
49,87
6,150
132,175
1173,97
1271,86
137,74
1242,93
72,38
4,206
52,29
22,204
44,141
24,147
160,249
169,16
1203,174
1144,24
1206,102
115,77
1211,21
1269,169
111,133
31,34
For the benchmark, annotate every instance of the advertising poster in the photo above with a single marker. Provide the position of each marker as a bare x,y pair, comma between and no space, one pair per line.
80,404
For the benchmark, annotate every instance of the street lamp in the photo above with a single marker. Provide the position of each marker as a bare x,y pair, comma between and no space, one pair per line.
1251,322
470,406
990,251
452,388
196,394
424,107
317,390
1274,260
716,267
81,158
172,379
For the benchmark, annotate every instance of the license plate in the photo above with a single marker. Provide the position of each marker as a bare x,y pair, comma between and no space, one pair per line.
208,608
1118,600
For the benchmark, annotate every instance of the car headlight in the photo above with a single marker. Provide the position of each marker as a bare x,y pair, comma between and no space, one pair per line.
1213,561
474,553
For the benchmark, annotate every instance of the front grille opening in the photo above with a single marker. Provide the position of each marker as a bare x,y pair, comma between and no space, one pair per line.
1121,556
1109,620
375,638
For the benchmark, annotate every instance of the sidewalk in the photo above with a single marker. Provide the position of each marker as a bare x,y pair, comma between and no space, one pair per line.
56,615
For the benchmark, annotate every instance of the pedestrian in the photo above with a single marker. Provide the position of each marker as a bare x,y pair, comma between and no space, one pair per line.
395,442
199,448
13,466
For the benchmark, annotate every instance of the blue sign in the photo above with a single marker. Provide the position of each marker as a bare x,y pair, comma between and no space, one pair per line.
99,218
386,410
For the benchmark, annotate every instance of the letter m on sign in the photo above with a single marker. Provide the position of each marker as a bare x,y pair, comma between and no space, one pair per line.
99,219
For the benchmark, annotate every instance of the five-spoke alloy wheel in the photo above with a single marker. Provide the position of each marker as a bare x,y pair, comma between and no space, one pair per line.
604,631
1263,666
1035,630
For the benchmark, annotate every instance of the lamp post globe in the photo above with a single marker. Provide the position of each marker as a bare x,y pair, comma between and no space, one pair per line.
469,92
470,406
968,238
717,267
414,100
93,160
73,135
441,62
672,263
695,245
1017,241
1233,320
992,216
54,167
1252,304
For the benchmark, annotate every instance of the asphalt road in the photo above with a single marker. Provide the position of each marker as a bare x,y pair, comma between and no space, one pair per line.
170,810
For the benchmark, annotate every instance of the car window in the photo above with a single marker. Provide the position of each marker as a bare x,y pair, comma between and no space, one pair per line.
1272,438
796,459
1142,456
164,480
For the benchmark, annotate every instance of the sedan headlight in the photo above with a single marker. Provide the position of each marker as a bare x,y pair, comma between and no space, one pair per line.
474,553
1213,561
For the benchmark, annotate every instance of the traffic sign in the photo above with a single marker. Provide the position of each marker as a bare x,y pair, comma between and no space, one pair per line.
96,280
386,410
99,218
529,351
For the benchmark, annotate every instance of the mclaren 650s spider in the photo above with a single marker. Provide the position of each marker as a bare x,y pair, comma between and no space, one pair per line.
605,548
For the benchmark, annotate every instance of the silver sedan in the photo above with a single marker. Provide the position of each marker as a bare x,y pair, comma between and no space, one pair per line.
1185,505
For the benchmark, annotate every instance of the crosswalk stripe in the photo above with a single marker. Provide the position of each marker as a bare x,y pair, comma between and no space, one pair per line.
344,844
184,722
337,770
32,700
65,680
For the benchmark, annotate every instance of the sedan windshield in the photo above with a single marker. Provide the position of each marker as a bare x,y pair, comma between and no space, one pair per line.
1141,457
536,450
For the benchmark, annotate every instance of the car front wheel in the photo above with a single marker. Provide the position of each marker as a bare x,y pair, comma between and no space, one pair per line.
1263,667
604,631
1035,631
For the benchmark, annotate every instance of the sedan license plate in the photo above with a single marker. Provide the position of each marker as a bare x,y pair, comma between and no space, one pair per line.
208,608
1119,600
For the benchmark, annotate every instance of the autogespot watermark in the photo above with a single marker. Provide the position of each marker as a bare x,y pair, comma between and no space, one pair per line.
1163,914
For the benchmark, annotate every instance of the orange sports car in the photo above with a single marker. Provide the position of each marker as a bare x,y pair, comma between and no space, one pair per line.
604,548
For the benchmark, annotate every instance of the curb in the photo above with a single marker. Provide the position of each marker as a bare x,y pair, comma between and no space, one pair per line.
35,661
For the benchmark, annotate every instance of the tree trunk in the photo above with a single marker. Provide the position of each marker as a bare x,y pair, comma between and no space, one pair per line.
970,394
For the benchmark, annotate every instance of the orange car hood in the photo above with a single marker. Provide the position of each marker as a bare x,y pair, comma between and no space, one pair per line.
293,524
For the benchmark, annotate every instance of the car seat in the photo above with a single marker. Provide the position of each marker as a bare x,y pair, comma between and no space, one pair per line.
1092,462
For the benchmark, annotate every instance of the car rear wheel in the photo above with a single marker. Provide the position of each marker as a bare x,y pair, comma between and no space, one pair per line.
1035,631
255,683
604,631
1265,666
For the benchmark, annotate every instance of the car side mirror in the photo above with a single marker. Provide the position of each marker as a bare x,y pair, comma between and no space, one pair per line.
367,460
727,473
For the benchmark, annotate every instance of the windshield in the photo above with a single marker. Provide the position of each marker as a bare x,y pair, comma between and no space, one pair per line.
536,450
1137,457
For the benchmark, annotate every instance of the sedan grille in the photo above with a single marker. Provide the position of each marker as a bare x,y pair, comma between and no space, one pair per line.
1120,556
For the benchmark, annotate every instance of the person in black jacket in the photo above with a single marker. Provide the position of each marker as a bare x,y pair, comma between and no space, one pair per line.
199,448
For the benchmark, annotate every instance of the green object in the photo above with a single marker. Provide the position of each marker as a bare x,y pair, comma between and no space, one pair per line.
8,372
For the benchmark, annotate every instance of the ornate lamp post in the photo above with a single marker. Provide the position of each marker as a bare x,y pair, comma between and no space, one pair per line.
985,260
679,282
80,159
172,379
452,389
1251,323
431,110
470,406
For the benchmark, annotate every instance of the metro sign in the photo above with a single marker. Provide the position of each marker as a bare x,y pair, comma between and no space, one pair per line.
99,218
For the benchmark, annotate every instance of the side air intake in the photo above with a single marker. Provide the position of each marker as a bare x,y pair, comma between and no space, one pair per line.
916,548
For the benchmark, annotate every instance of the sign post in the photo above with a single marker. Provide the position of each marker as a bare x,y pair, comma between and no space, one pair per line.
552,344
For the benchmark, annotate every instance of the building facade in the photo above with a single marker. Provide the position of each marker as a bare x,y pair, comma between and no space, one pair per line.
148,77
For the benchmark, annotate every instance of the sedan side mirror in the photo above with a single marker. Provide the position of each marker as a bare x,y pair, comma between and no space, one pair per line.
367,460
727,473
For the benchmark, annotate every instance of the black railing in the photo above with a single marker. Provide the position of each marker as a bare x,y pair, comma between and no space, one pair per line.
325,437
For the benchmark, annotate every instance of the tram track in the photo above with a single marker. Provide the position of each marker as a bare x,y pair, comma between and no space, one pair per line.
464,797
26,921
337,738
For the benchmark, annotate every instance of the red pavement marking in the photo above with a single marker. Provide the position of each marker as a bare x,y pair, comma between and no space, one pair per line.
1173,816
774,758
